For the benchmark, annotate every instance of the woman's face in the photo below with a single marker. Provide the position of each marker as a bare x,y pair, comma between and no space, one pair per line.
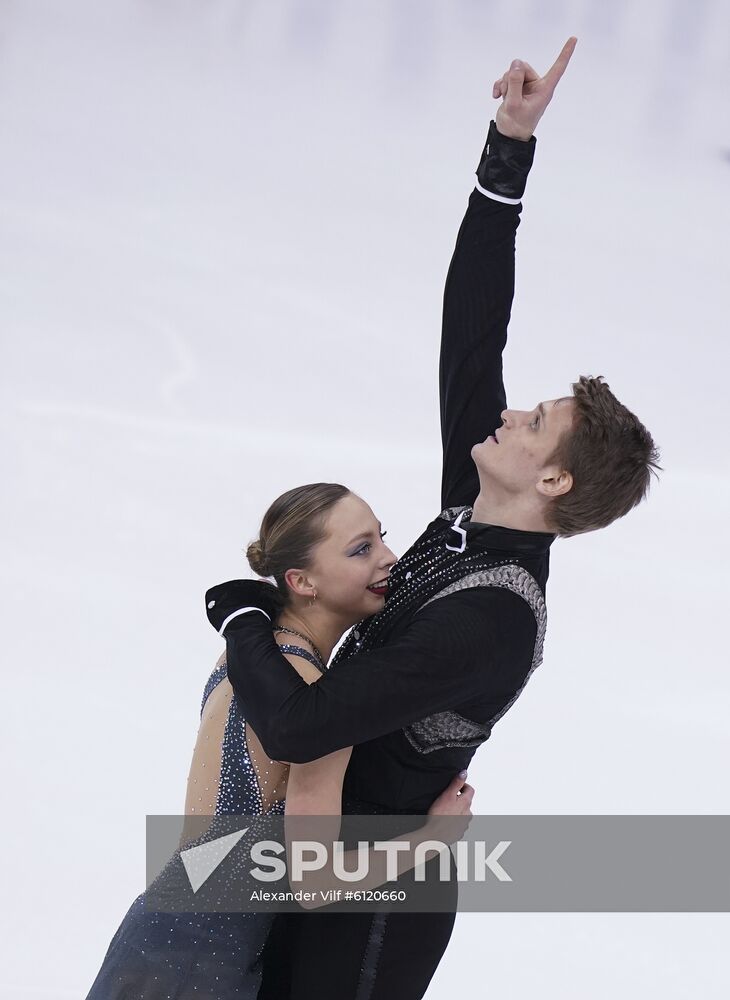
350,560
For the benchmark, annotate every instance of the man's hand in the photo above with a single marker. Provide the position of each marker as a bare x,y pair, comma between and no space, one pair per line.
525,94
223,601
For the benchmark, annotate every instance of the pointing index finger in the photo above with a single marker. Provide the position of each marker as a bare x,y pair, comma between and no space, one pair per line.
561,63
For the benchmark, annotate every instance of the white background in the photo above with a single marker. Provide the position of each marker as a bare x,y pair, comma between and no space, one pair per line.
225,228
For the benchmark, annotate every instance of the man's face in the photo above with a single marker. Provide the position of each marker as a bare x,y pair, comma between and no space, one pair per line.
516,456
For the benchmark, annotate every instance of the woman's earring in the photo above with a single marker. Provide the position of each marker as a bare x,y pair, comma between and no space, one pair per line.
314,598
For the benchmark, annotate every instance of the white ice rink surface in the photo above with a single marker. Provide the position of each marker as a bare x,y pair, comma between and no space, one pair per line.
225,228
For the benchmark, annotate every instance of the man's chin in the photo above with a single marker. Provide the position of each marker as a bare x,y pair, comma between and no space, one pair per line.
479,454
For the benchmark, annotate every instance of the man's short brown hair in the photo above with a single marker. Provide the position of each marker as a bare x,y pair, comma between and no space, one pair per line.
611,457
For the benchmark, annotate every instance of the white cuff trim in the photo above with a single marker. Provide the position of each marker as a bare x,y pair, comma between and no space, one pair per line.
498,197
235,614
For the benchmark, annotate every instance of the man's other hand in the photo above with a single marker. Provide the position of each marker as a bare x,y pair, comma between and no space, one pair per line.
525,94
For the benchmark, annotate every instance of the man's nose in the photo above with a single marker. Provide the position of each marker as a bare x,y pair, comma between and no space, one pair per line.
512,418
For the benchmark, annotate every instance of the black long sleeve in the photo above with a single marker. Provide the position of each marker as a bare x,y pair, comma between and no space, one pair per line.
477,306
471,645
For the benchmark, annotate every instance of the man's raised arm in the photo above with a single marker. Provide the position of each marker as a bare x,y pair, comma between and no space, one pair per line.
480,282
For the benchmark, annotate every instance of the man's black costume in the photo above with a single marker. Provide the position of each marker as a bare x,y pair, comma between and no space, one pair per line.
419,686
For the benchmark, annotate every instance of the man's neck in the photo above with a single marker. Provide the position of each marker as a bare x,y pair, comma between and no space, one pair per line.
511,512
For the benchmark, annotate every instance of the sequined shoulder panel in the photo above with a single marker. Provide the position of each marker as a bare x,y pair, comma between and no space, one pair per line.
449,729
449,513
298,651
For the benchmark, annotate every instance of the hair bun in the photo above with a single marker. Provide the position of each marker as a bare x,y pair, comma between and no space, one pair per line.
257,558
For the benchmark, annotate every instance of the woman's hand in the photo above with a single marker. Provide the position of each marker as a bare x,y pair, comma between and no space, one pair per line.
450,814
525,94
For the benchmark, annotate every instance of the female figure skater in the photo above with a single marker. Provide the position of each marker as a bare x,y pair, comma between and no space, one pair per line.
325,549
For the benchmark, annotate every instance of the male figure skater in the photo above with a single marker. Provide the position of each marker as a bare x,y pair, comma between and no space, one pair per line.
419,686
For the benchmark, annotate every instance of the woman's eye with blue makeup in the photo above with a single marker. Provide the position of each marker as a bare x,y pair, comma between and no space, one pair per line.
367,546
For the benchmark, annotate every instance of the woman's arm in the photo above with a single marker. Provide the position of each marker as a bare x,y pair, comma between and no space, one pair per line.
315,790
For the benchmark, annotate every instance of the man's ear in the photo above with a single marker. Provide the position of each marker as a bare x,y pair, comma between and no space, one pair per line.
554,483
